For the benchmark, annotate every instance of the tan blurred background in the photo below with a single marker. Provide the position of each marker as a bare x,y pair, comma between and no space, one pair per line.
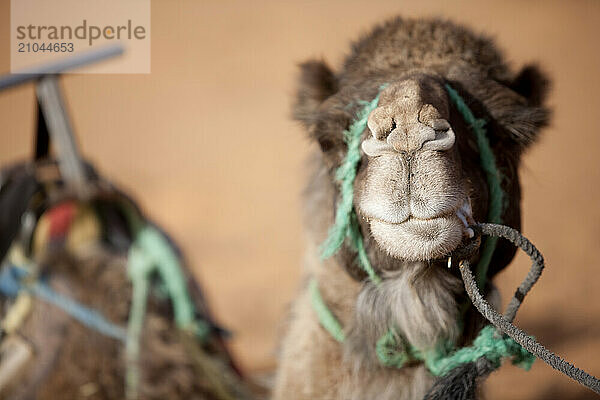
206,145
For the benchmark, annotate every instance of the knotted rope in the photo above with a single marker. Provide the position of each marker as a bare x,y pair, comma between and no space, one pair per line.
439,360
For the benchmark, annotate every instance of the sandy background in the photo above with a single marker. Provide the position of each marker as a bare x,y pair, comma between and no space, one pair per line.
206,145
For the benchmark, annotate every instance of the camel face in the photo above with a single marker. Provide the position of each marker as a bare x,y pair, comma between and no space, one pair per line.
413,193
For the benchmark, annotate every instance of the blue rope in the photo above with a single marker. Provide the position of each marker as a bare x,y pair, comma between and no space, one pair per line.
85,315
10,280
11,277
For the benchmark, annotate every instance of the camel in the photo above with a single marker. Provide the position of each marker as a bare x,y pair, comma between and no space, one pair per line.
419,186
77,249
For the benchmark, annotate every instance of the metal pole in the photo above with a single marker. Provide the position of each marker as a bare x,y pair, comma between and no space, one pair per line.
61,133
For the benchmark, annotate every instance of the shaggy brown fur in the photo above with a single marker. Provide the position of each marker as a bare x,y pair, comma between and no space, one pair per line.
419,167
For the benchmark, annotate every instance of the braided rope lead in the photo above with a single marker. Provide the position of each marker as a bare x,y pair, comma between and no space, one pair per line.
504,324
534,254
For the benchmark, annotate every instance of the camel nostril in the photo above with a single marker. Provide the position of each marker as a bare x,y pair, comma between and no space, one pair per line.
384,132
381,123
440,125
444,140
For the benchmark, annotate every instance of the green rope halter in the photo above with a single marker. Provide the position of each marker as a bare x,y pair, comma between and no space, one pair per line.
488,164
346,222
444,358
487,344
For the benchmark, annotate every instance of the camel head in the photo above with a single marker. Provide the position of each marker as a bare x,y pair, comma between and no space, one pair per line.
420,183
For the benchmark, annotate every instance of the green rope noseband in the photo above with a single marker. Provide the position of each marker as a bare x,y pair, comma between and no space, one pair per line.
346,222
488,164
444,358
345,174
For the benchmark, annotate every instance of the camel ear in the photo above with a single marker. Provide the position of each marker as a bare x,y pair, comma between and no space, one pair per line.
532,84
517,105
525,120
317,82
